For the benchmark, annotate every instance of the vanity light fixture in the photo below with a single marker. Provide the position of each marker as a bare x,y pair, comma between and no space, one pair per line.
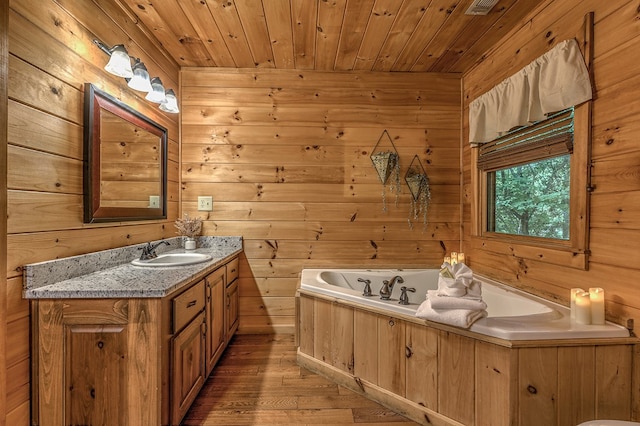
170,103
140,80
157,93
138,77
119,64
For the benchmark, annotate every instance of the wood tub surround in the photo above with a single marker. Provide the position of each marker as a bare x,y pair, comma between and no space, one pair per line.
132,361
441,375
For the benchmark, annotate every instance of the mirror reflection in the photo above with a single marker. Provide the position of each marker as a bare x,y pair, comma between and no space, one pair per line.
125,162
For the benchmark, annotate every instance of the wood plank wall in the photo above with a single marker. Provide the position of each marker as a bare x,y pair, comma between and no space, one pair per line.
285,155
615,223
51,56
4,82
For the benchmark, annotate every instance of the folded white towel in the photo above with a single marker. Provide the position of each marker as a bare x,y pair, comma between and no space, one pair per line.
459,317
457,281
446,302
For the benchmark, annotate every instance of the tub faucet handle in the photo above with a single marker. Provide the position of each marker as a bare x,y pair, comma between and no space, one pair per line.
367,286
404,299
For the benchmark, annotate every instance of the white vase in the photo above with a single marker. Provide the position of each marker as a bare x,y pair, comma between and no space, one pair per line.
190,244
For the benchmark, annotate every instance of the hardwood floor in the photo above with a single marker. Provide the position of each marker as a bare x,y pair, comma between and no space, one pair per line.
257,382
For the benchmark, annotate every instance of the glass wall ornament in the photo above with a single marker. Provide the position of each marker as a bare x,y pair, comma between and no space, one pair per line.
418,183
386,161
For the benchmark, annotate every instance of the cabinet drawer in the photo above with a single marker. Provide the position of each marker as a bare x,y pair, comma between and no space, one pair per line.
187,305
232,270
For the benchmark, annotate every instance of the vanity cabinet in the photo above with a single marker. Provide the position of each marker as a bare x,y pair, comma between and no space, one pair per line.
130,361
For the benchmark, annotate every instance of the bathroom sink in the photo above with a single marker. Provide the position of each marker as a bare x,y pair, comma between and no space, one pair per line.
173,259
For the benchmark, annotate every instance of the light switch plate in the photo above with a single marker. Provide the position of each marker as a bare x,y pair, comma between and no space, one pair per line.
154,201
205,204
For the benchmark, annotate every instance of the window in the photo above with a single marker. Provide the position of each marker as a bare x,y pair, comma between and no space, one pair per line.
528,179
532,188
531,199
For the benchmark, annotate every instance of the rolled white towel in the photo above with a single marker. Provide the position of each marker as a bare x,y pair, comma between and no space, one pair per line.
458,317
447,302
457,281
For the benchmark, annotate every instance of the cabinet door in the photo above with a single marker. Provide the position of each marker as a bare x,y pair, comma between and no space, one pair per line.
96,362
188,362
215,286
232,309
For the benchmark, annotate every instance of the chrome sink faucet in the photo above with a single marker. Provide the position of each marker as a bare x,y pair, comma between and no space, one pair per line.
387,287
149,250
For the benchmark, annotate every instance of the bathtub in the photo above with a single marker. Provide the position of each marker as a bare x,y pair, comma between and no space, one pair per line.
512,314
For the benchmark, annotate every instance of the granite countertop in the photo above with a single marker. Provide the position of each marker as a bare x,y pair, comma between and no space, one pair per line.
110,274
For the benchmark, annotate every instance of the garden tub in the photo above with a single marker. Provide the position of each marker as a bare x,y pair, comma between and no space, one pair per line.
512,314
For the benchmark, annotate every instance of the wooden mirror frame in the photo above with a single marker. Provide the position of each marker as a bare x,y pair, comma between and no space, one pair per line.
95,101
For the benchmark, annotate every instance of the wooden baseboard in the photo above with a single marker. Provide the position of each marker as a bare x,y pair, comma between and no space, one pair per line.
402,406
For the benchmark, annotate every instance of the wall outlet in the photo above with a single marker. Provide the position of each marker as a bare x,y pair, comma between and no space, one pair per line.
205,204
154,201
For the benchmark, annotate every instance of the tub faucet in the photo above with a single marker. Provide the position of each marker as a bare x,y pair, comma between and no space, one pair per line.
387,287
404,299
367,286
149,250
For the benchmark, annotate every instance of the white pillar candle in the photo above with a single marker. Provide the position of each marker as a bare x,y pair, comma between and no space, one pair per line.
454,257
460,257
596,296
447,259
583,308
574,291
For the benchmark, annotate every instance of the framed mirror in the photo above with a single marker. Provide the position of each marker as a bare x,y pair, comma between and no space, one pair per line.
125,161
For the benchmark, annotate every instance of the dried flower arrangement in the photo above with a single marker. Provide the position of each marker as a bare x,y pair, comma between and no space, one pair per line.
189,226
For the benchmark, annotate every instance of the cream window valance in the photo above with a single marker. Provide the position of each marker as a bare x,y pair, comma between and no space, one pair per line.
555,81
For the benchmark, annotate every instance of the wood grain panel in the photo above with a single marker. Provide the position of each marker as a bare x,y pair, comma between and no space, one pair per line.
278,18
330,20
342,351
365,344
613,391
456,367
576,387
295,79
4,75
225,15
305,331
304,15
422,365
322,331
252,18
538,386
354,25
495,381
391,354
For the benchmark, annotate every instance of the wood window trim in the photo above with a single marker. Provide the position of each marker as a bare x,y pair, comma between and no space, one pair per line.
572,253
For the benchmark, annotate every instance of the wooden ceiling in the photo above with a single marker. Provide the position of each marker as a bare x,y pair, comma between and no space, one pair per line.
337,35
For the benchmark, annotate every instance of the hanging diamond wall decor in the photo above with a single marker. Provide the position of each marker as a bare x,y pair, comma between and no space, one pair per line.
386,161
418,183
